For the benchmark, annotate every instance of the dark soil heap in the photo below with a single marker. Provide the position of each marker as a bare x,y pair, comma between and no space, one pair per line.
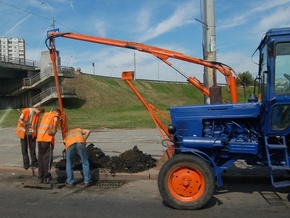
131,161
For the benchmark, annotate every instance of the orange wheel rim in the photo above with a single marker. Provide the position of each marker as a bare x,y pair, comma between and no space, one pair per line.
186,184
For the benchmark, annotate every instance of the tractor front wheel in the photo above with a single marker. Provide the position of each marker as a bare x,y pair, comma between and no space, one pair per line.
186,182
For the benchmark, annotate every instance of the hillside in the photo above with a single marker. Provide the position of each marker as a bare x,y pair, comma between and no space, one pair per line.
97,91
110,103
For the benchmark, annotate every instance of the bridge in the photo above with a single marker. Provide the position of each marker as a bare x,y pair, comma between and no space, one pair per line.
24,84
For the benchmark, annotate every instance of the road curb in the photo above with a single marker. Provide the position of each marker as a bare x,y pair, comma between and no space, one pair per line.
97,174
239,175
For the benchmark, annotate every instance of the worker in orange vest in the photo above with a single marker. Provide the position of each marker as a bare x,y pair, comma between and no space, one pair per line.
27,132
45,138
75,143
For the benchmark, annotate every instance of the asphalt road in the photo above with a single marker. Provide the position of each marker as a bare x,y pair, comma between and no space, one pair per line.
111,141
250,196
137,199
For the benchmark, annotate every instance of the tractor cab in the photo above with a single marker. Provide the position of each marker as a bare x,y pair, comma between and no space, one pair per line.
274,85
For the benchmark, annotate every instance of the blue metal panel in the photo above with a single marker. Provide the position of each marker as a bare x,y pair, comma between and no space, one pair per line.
188,119
243,148
279,32
240,110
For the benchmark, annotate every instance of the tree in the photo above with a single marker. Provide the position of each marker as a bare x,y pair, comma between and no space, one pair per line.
246,78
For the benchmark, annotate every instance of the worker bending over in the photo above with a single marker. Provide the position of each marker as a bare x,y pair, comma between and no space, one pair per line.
45,138
27,132
75,143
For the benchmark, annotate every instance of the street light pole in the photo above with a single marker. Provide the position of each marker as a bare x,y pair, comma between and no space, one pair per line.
69,60
93,64
52,14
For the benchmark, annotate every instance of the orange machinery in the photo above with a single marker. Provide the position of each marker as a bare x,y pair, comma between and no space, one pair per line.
162,54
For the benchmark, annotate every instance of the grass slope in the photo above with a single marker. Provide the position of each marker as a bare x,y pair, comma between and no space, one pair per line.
110,103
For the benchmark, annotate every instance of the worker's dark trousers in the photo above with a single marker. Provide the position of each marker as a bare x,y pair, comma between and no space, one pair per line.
28,143
45,154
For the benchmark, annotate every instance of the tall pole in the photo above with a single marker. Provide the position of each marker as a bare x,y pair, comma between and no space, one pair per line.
52,14
158,69
209,43
93,65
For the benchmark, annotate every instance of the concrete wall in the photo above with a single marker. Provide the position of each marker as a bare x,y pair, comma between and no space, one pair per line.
45,60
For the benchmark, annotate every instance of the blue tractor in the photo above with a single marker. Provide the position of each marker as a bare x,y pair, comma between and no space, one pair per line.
208,139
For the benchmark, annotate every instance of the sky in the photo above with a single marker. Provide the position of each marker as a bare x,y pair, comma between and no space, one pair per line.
170,24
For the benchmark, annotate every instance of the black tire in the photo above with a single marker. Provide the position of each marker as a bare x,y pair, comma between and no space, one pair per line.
186,182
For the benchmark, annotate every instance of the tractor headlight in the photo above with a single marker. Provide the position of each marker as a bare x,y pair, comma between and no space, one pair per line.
171,129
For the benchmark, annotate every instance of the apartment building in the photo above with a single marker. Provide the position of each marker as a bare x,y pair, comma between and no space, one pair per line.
12,50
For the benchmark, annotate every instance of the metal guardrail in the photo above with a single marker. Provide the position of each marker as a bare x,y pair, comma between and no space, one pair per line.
18,61
43,75
30,81
155,80
46,73
27,82
52,93
67,70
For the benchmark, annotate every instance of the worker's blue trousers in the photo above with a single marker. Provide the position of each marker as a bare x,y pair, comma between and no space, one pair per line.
77,148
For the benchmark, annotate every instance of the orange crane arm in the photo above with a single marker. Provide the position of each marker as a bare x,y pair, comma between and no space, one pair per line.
163,54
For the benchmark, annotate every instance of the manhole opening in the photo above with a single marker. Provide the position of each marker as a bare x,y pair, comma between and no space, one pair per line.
110,183
43,187
273,198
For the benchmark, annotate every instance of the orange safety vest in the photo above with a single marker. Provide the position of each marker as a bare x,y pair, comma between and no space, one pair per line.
21,130
74,136
45,125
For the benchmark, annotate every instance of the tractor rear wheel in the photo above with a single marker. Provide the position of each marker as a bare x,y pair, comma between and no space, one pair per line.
186,182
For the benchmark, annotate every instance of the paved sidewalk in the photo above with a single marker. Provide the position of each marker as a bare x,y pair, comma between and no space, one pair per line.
112,142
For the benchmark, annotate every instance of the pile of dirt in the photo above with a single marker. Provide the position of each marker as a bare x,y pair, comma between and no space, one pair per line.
131,161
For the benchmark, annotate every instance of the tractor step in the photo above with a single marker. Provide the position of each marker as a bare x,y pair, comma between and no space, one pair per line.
276,146
281,184
279,148
276,167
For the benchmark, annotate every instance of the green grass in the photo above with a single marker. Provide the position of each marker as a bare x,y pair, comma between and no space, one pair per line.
110,103
9,118
129,118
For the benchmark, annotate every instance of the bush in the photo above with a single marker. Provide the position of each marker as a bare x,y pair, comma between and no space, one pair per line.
246,78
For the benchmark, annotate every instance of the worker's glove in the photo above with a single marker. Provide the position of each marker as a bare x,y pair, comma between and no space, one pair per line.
51,132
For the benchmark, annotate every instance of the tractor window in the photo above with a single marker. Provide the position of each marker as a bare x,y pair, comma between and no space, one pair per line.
280,119
282,70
